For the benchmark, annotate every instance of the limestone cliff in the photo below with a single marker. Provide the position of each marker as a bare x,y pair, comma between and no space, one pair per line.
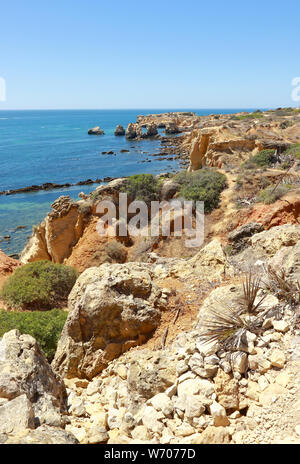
55,237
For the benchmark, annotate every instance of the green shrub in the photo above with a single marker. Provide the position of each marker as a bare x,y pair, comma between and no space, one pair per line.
145,187
293,151
45,327
203,185
269,195
39,286
284,111
262,159
255,115
285,165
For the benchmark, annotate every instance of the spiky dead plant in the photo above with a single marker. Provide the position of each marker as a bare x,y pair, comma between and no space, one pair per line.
248,302
228,324
278,283
220,324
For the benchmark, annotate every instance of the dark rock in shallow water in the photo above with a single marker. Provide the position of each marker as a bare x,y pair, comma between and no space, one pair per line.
96,131
85,182
119,130
124,151
47,186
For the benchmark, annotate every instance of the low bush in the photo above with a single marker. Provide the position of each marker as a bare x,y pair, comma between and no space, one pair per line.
203,185
45,327
41,285
262,159
255,115
145,187
116,251
270,195
293,151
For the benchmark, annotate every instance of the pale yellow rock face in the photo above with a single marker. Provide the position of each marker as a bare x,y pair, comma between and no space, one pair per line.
198,152
218,413
227,390
213,436
36,248
62,234
278,358
284,379
253,391
267,397
270,241
55,237
209,263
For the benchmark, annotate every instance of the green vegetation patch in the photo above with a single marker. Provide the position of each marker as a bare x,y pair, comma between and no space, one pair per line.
262,159
285,111
45,327
271,194
144,187
39,286
204,185
293,151
255,115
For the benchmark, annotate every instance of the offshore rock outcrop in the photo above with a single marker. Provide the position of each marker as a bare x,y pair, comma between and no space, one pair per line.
96,131
172,128
50,186
119,131
133,131
183,120
151,130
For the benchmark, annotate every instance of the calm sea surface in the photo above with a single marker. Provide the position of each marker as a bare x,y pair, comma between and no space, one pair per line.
53,146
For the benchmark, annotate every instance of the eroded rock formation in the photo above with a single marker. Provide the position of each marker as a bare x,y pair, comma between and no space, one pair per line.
119,130
33,400
7,266
112,308
96,131
26,374
133,131
193,392
55,237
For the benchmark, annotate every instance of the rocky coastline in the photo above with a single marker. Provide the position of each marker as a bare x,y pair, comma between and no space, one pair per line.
53,186
163,345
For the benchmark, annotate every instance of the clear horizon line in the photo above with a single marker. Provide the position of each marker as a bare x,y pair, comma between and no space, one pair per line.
138,109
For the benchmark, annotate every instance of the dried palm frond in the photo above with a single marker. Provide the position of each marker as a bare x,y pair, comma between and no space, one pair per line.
221,324
248,300
279,284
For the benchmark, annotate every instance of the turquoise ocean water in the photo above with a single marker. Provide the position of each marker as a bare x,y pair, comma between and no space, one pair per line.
53,146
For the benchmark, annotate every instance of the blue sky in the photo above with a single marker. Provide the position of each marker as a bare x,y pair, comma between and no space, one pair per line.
158,54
